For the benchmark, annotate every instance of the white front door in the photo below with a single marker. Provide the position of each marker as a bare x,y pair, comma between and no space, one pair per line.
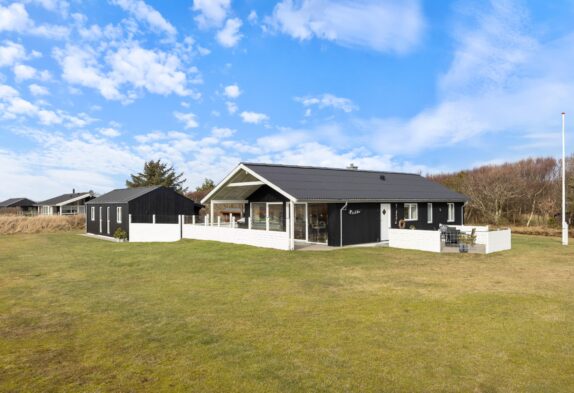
385,221
100,219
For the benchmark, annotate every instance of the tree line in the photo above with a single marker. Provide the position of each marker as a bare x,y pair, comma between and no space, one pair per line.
523,193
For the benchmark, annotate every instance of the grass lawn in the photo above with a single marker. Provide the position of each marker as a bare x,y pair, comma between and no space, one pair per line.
85,315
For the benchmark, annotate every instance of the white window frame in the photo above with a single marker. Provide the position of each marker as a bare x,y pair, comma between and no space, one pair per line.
451,215
408,208
93,213
119,214
429,213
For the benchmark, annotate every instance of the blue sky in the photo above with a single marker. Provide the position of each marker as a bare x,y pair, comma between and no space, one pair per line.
91,89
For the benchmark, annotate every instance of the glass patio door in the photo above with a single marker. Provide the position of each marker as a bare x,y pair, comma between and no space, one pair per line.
317,217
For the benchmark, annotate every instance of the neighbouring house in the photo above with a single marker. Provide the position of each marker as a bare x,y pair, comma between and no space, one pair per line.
157,205
336,207
66,204
19,206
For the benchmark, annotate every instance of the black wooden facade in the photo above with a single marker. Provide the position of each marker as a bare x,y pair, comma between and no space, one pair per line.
362,221
164,203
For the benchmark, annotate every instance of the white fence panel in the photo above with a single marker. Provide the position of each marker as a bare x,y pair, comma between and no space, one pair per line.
498,241
155,232
414,239
251,237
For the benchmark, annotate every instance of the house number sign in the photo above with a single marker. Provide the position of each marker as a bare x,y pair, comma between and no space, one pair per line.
354,212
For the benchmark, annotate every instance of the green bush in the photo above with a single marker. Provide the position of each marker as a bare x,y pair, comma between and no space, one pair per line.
120,234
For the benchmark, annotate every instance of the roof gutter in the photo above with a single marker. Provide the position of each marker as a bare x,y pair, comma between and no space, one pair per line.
341,223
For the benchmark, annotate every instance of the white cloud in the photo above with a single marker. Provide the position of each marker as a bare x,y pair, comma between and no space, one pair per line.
488,54
231,107
15,107
23,72
188,119
252,17
60,6
15,18
501,80
229,36
212,13
253,117
109,132
11,53
222,132
232,91
390,26
37,90
130,65
142,11
328,101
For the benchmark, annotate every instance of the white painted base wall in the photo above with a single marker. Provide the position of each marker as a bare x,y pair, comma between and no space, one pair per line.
154,232
498,241
251,237
414,239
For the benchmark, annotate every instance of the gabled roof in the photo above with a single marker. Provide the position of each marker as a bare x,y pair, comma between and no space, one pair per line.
123,195
15,202
305,183
66,198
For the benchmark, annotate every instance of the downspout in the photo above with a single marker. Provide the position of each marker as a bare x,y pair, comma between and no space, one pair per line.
341,223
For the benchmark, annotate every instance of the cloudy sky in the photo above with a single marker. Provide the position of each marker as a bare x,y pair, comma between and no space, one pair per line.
90,89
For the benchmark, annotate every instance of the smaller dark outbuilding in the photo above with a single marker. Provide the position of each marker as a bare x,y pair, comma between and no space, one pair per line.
18,206
111,211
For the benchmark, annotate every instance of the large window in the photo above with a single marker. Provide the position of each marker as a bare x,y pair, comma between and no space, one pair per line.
258,215
275,214
119,215
300,221
411,212
260,211
317,217
451,212
429,213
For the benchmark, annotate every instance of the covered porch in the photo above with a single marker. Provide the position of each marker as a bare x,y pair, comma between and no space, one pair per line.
248,209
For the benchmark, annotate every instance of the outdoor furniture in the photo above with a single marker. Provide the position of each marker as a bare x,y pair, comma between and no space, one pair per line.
450,236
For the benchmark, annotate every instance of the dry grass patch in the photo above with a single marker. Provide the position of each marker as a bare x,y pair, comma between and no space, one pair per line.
10,225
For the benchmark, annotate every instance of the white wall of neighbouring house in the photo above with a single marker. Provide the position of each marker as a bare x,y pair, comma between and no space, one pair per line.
415,239
250,237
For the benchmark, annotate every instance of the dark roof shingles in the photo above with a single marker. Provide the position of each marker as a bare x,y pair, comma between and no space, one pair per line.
315,183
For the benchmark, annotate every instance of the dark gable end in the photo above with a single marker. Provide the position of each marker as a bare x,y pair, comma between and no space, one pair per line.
329,184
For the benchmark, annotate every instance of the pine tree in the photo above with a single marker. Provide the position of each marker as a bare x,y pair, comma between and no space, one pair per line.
156,173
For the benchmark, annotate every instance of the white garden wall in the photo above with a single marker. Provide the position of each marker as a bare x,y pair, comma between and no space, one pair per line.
498,241
251,237
414,239
154,232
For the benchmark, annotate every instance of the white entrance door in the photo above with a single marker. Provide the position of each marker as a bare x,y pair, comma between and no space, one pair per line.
385,221
100,219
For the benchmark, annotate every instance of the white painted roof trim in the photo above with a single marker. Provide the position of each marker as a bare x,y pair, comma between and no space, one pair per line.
254,174
79,198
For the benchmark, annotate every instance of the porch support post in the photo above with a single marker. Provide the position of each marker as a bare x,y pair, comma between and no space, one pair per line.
291,227
211,204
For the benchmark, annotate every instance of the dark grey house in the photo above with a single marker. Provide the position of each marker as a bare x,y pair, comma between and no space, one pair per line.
336,206
111,211
19,206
